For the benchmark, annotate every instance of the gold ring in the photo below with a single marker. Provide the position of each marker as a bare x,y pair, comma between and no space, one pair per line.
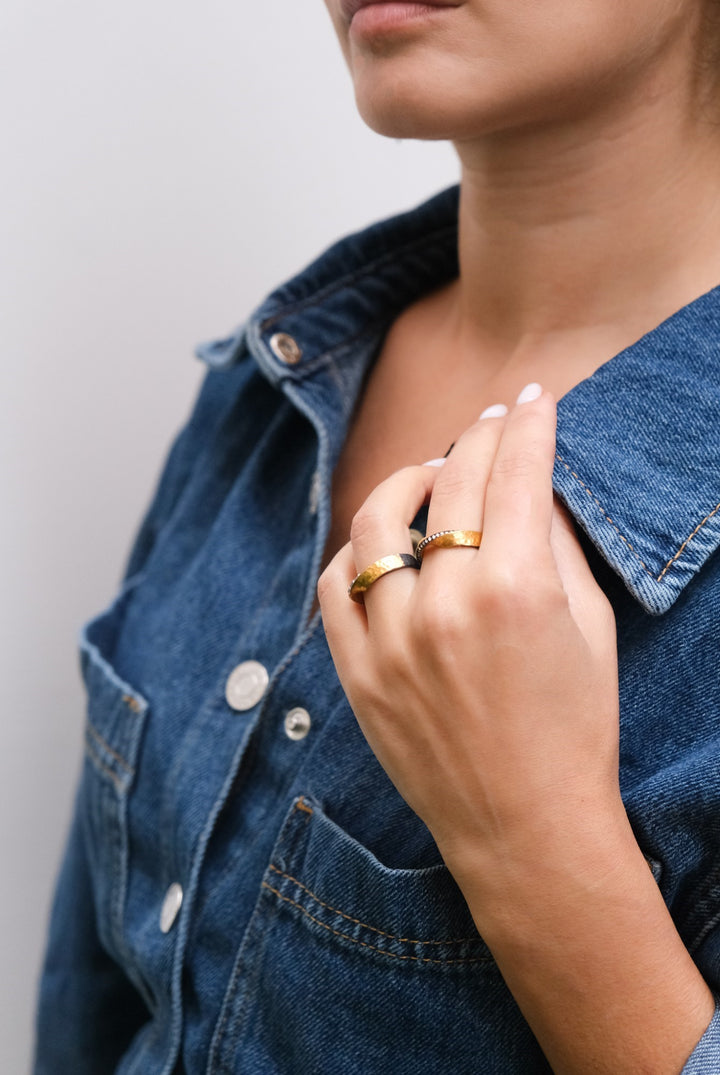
449,539
362,582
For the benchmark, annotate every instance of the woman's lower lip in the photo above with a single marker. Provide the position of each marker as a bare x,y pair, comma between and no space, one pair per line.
381,18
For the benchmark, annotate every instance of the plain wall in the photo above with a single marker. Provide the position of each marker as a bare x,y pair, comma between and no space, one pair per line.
163,166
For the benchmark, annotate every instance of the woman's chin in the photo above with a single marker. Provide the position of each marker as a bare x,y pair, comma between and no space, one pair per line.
406,103
400,124
398,114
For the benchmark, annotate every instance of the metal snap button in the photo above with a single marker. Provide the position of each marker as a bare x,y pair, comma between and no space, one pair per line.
246,685
285,348
297,723
170,906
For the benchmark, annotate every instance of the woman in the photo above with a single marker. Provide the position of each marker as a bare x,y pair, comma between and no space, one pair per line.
534,884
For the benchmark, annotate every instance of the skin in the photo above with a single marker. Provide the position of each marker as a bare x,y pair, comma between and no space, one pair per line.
511,755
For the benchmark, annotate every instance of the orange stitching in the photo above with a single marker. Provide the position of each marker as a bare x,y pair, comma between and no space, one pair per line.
364,944
672,559
98,761
302,805
113,753
604,513
357,922
687,541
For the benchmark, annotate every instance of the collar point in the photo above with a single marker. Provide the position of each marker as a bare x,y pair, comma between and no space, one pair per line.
224,353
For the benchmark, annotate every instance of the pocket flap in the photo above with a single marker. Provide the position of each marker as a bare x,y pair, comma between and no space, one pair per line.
115,710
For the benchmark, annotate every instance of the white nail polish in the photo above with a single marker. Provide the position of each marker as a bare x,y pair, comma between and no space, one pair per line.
498,410
434,463
529,393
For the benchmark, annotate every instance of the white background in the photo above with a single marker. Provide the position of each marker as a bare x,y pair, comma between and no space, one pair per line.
163,166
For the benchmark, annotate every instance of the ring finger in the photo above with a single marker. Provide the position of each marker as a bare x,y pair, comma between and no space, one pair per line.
382,528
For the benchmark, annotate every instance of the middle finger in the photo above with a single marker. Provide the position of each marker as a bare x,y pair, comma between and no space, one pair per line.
458,496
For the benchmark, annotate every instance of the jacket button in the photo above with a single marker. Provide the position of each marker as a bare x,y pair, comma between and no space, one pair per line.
285,348
170,907
246,685
297,723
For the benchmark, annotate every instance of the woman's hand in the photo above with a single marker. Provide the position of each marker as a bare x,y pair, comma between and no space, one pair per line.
486,683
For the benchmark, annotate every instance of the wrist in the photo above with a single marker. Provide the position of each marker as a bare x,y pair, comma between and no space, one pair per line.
581,935
557,865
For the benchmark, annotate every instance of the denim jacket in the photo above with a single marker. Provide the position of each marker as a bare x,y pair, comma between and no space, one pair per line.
243,889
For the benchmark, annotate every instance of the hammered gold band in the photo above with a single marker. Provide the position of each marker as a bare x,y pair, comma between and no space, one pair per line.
449,539
362,582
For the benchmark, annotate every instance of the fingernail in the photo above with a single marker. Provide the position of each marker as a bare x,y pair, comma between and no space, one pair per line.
498,410
434,463
529,393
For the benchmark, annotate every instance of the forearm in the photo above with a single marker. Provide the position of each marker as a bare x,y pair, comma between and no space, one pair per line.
589,950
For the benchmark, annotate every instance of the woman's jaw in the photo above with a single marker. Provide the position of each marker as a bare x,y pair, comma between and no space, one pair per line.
465,69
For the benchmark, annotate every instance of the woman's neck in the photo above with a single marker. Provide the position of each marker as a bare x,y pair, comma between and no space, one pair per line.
585,236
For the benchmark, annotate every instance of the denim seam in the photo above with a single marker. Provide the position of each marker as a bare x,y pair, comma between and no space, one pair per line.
372,947
224,1038
603,512
345,281
106,746
673,559
688,539
325,357
228,1029
365,925
347,396
300,644
95,758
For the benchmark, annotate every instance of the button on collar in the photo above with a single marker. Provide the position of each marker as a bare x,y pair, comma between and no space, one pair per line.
297,723
170,906
246,685
285,348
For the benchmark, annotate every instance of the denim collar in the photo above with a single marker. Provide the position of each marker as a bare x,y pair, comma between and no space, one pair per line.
638,446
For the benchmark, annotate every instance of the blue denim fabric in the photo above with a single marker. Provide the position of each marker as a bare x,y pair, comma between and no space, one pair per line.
320,931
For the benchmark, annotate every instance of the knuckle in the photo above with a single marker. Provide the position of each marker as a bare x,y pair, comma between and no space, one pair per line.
443,616
499,588
522,596
519,463
334,578
325,584
366,522
394,661
452,484
528,421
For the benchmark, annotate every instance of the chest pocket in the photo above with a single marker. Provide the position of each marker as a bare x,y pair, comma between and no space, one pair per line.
350,966
116,716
